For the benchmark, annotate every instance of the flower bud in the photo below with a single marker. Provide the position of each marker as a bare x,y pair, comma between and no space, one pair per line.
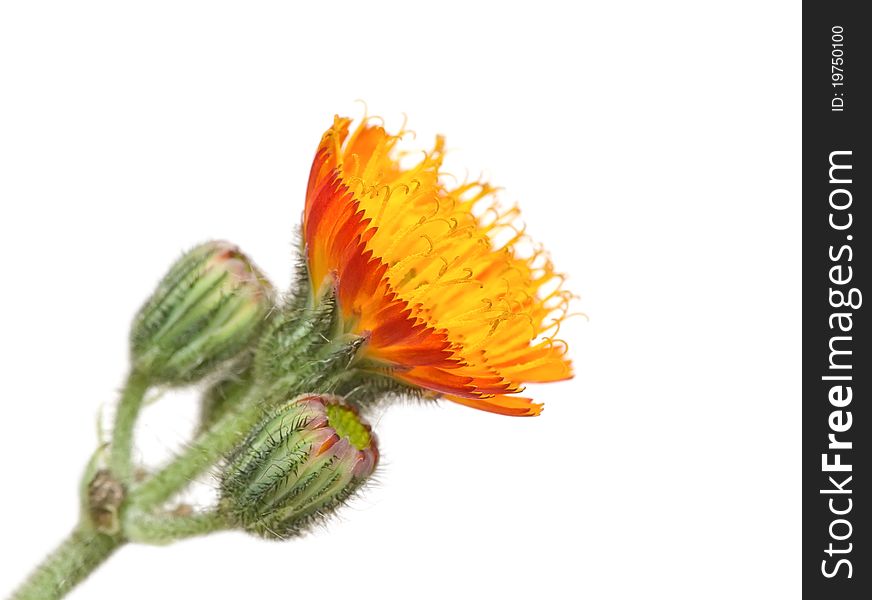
207,309
301,462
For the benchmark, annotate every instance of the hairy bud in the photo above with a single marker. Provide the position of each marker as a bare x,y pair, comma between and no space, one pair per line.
208,308
301,462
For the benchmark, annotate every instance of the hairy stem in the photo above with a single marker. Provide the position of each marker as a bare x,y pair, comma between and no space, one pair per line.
207,449
120,457
165,528
82,552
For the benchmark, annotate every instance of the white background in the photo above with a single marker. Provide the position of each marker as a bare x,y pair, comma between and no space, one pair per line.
654,147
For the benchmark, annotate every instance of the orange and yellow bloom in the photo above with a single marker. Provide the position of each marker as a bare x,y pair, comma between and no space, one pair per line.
433,275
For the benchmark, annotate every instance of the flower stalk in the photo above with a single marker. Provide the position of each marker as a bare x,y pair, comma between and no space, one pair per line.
207,449
121,450
162,529
84,550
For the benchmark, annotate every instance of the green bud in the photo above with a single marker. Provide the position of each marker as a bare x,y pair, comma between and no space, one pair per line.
207,309
303,460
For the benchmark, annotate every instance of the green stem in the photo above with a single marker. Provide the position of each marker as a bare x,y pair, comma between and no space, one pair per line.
209,447
82,552
120,461
166,528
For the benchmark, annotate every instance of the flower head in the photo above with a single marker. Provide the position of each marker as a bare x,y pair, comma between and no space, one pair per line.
433,275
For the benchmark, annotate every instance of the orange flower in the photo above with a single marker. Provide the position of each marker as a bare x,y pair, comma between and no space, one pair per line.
420,270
